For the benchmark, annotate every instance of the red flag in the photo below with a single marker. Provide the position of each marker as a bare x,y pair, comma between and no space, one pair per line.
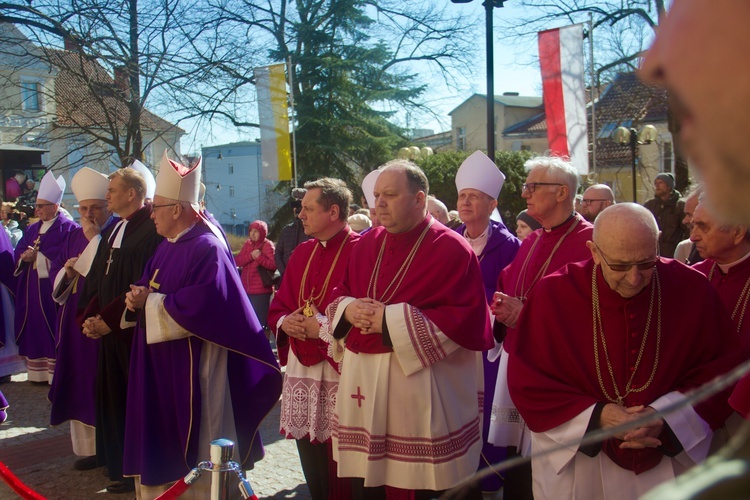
561,61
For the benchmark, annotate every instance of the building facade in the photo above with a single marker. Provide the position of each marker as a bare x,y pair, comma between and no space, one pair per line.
236,193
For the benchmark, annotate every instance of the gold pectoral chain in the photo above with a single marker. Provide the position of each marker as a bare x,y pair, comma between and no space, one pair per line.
599,334
521,291
741,300
372,288
315,299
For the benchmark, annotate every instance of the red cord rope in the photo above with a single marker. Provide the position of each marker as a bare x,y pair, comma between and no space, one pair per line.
16,485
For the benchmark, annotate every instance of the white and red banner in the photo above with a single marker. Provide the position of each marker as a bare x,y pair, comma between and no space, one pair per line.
561,61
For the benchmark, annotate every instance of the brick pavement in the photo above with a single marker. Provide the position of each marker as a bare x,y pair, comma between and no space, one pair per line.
42,456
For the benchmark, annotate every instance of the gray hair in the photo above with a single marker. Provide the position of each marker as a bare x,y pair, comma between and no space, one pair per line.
558,169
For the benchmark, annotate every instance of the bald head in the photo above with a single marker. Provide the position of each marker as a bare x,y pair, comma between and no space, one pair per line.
595,200
438,209
625,237
626,224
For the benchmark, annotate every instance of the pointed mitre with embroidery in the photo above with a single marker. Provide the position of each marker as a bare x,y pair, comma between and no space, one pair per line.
146,173
480,173
51,189
368,185
88,184
178,182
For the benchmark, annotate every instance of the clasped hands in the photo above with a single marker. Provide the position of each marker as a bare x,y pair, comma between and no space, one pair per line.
506,309
299,326
94,327
136,297
366,314
645,436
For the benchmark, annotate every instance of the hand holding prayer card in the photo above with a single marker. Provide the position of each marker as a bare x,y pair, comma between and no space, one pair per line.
255,253
506,309
136,297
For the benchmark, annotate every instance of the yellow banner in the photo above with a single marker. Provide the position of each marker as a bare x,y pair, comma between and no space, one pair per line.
273,117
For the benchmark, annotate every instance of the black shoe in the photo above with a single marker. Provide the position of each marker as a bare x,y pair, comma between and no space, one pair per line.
121,487
4,379
87,463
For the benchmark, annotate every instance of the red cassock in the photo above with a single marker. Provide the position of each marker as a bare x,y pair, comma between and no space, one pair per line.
552,372
732,287
516,280
287,298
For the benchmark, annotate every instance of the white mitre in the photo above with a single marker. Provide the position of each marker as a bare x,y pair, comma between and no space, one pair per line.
368,186
178,182
480,173
88,184
146,173
51,189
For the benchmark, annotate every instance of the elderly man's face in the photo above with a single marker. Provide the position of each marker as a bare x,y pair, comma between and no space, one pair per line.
164,214
711,240
94,211
542,202
475,206
398,209
45,210
623,243
698,56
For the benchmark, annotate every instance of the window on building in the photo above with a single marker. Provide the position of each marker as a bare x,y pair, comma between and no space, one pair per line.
231,191
231,168
525,147
461,138
667,157
31,99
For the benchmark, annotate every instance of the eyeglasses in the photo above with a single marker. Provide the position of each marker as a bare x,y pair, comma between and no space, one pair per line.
589,201
620,268
165,205
93,209
42,205
530,187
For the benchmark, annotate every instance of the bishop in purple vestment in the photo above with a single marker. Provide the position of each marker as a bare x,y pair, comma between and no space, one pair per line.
35,309
201,367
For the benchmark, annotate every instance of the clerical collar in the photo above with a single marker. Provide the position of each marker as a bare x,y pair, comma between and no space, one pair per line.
344,231
478,243
549,230
181,234
47,224
726,267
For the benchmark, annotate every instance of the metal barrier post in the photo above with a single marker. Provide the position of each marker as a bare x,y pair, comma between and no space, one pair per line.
221,456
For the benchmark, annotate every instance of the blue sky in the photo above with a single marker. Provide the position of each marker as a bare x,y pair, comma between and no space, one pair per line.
516,70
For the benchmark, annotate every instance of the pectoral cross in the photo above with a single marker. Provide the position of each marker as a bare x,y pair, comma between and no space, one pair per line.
37,241
153,284
109,261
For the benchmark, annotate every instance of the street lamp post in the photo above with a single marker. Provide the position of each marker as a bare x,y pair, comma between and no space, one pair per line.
631,137
489,5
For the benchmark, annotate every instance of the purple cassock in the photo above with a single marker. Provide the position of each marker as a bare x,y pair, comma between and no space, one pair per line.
10,362
203,296
3,408
500,250
73,389
35,309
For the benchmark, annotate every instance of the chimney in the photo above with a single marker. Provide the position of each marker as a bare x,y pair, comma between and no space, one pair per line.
121,78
